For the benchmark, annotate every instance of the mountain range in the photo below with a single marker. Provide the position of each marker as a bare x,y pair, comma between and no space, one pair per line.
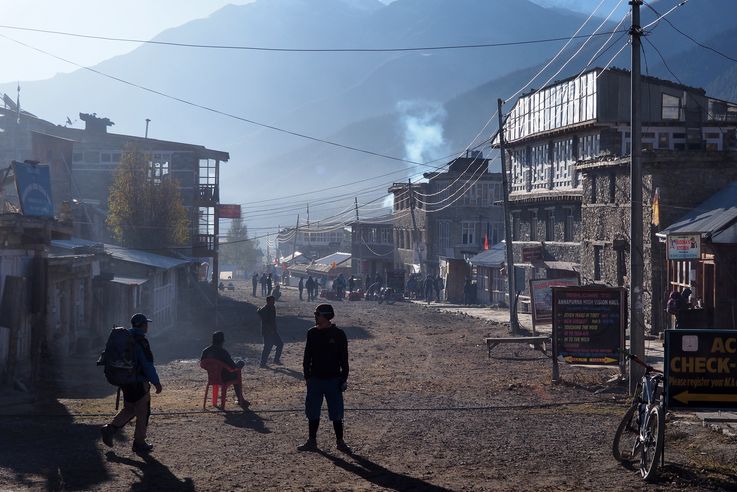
417,105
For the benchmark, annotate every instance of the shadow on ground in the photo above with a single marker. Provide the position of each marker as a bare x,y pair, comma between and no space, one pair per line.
247,419
379,475
152,474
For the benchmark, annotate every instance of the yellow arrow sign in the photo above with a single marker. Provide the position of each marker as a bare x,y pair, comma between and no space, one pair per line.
685,397
569,359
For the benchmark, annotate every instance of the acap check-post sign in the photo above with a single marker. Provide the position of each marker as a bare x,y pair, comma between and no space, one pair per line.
701,369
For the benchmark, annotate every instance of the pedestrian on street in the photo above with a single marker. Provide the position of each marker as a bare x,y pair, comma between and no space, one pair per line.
269,333
262,281
310,284
351,284
325,368
439,287
301,287
136,395
217,351
269,285
429,287
254,282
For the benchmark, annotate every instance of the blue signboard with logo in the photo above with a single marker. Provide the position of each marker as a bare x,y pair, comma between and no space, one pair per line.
33,182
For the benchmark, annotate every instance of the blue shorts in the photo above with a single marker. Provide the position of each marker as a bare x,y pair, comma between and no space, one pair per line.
330,389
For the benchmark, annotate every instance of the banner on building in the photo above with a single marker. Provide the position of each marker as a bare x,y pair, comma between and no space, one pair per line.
229,211
684,246
33,183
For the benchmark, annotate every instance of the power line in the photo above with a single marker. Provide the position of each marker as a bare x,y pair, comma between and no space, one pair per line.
689,37
216,111
294,50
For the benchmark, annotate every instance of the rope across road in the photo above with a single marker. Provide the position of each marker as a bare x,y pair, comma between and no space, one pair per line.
480,408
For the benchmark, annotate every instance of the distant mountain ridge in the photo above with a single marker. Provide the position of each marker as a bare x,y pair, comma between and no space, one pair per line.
358,99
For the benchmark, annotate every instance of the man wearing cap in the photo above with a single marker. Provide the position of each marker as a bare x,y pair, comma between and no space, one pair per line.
326,373
217,351
137,396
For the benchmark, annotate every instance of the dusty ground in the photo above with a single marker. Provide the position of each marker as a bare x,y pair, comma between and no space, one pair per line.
426,410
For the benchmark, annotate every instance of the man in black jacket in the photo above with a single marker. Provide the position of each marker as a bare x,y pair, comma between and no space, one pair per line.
271,337
325,367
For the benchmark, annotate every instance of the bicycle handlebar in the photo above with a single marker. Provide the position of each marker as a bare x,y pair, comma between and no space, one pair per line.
633,357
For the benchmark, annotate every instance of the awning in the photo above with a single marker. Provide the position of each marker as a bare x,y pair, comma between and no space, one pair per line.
711,218
562,265
493,257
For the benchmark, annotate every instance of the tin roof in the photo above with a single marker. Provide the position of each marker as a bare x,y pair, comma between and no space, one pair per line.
492,257
713,219
120,253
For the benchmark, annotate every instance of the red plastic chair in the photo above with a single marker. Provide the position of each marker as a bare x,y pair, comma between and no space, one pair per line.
214,370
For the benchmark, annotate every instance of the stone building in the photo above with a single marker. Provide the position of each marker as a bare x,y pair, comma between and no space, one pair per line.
568,146
372,246
443,222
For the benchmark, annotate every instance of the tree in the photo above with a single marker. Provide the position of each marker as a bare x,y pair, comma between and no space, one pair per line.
239,250
145,208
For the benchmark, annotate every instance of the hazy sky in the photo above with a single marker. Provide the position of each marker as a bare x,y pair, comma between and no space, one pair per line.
142,19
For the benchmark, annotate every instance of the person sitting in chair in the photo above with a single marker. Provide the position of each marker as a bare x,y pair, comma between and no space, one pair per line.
216,351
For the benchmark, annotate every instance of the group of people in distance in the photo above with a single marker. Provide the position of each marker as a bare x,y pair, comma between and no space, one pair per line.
312,286
324,364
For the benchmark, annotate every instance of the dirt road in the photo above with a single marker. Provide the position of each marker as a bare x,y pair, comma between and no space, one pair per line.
426,410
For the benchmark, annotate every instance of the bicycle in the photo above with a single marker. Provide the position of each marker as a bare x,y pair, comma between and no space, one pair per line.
642,429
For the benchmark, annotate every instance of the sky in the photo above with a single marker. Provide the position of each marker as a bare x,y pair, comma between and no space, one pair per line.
141,19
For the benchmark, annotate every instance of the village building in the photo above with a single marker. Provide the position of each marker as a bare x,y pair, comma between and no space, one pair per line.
568,149
443,222
314,240
90,156
372,246
701,255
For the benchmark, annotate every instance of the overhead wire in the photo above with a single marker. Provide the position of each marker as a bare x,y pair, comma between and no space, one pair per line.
288,50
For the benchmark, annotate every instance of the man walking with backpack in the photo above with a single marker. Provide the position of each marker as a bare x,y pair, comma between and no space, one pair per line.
129,364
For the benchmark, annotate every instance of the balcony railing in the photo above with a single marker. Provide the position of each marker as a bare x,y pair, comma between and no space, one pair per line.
207,194
203,244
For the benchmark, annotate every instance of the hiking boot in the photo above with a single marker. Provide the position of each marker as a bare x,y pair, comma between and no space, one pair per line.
142,447
310,445
343,447
108,431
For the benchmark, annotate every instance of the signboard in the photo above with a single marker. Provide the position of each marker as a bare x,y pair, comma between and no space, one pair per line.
541,295
588,324
532,254
684,246
701,369
230,211
33,184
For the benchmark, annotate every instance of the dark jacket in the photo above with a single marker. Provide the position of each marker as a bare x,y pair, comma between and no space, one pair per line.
326,353
144,358
268,319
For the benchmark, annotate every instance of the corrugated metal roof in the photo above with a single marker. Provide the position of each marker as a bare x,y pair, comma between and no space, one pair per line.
336,258
121,253
129,281
492,257
709,218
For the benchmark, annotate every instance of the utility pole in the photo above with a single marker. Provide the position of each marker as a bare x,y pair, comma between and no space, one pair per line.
507,227
294,243
148,120
637,319
415,230
356,202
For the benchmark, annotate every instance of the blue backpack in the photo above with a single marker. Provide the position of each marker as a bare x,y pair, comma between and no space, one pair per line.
119,358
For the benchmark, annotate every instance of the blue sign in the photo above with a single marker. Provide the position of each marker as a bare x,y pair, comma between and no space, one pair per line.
33,182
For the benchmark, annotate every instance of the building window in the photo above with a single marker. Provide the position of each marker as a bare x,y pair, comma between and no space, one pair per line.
443,235
533,225
568,225
550,225
468,233
598,261
671,107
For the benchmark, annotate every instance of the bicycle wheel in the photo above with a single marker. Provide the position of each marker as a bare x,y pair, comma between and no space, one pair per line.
652,447
625,439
